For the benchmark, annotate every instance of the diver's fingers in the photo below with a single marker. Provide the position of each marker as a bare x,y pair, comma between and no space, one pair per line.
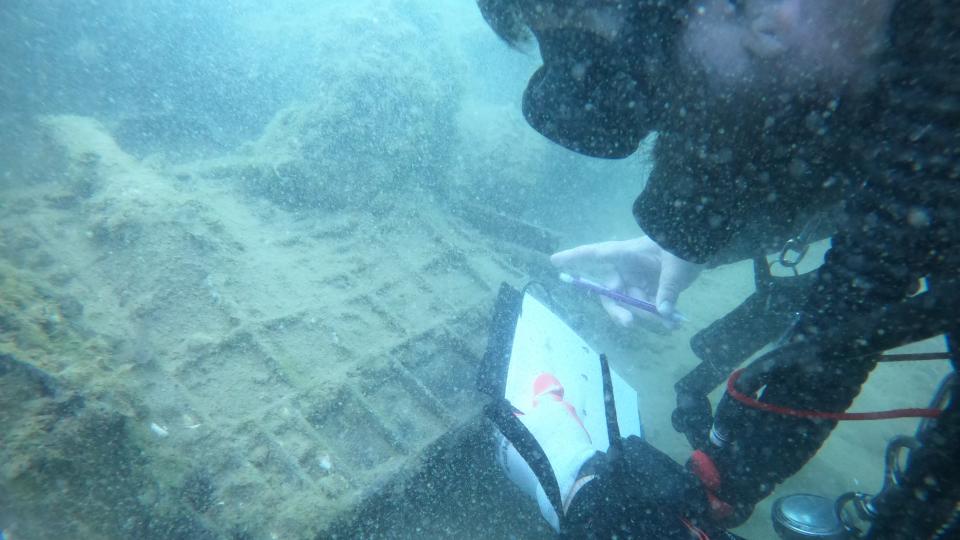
599,252
618,313
646,316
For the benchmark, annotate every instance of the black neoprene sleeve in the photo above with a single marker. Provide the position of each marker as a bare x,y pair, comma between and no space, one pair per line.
902,224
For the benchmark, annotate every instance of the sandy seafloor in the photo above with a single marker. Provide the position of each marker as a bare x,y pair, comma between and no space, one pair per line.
215,361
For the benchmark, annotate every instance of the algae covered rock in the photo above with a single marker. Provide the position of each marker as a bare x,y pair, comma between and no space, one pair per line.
503,161
378,117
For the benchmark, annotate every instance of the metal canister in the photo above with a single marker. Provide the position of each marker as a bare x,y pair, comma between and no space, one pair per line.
804,516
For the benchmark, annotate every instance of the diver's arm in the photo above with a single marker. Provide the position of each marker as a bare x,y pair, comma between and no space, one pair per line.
708,207
682,201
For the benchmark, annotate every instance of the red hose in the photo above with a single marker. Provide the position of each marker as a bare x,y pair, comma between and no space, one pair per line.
878,415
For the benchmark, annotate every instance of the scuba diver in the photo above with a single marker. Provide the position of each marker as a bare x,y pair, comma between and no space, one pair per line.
778,123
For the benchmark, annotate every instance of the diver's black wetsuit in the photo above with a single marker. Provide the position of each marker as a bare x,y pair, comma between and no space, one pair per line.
893,160
733,180
903,224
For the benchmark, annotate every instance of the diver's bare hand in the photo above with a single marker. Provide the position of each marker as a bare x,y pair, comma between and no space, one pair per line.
637,267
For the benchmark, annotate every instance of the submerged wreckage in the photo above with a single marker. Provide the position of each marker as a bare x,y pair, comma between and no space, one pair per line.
182,358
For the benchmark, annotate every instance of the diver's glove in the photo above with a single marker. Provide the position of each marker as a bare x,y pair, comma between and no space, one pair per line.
693,417
641,493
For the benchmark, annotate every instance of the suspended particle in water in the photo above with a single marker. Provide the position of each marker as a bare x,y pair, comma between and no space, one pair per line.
158,430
